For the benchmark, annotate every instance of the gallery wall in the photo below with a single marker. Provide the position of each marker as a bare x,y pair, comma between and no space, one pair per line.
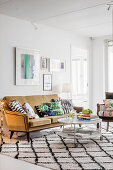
51,42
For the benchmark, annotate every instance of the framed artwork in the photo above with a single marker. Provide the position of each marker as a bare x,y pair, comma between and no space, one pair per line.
57,65
54,65
44,63
63,65
47,82
27,66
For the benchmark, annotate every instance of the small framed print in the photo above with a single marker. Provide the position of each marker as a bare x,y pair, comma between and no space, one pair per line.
57,65
63,65
54,65
47,82
44,63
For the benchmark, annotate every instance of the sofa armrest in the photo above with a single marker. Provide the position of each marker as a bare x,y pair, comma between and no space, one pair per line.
78,109
99,107
17,121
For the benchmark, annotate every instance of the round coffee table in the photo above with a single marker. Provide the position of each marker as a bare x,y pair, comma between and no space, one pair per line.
87,130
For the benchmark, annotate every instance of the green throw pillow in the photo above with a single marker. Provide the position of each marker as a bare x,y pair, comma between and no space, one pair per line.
56,107
42,110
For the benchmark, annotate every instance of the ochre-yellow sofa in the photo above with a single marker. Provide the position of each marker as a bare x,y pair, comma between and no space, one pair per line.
18,122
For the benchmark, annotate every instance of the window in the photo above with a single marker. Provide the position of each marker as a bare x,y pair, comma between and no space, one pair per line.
110,67
79,76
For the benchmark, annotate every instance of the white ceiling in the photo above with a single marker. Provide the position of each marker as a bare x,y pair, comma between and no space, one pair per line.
88,17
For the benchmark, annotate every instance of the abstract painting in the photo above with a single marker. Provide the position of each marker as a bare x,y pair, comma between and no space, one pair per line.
27,66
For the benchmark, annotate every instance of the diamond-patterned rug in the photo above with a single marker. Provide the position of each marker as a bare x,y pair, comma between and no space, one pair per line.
53,152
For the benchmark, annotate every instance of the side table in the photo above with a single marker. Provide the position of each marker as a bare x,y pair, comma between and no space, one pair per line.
84,132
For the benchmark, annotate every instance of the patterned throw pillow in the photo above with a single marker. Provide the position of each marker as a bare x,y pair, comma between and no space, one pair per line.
30,111
108,104
42,110
106,113
66,104
16,106
56,107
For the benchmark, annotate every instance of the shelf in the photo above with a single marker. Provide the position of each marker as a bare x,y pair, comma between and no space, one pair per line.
79,135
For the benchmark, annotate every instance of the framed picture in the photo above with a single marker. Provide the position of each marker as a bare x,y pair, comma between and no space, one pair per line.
57,65
54,65
47,82
63,65
27,66
44,63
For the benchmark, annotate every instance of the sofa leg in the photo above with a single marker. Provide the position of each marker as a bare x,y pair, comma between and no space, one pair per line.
28,136
12,132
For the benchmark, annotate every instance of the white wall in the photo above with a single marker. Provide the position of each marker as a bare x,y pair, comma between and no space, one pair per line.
51,42
99,62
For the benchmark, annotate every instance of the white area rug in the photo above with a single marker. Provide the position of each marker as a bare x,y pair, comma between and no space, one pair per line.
53,152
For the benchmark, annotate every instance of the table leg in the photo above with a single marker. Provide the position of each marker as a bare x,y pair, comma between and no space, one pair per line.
74,133
101,137
107,126
74,136
97,125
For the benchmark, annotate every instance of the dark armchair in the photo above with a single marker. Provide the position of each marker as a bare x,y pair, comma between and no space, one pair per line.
100,107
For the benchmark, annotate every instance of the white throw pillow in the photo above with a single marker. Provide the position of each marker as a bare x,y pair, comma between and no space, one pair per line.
30,111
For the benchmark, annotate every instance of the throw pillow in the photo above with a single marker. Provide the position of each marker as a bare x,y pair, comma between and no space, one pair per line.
56,107
16,106
66,105
42,110
30,111
108,104
106,113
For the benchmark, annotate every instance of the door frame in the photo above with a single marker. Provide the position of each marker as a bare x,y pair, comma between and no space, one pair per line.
72,46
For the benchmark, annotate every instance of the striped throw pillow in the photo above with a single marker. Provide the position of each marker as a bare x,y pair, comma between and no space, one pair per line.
16,106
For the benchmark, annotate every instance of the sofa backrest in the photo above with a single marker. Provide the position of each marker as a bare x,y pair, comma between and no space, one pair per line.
34,100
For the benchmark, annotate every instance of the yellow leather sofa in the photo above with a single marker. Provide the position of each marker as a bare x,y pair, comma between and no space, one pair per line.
18,122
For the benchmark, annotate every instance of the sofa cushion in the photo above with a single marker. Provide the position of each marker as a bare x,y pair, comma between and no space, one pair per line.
56,107
16,106
44,110
106,113
30,111
54,119
66,104
108,104
39,122
41,110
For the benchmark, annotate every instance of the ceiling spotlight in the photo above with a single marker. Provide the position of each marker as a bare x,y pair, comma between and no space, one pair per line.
35,25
